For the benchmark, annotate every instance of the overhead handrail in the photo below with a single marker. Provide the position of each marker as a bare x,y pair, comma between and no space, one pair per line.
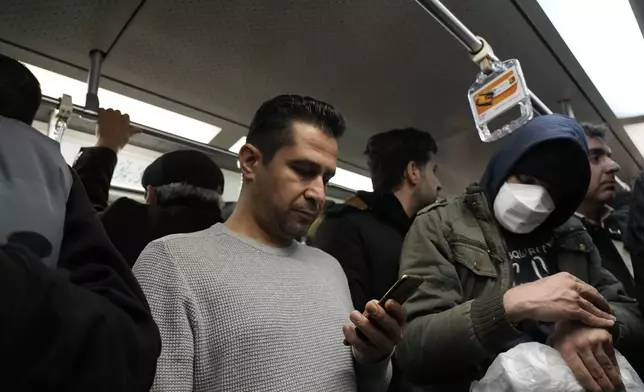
88,114
470,41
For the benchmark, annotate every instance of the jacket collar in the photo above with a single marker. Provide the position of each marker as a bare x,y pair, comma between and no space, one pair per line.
606,213
476,201
606,222
387,208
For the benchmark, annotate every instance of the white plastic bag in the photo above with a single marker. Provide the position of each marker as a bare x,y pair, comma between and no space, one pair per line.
535,367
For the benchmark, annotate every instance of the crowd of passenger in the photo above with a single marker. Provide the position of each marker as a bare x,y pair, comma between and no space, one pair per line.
187,293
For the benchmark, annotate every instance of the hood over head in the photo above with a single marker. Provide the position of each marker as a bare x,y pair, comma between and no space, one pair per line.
551,148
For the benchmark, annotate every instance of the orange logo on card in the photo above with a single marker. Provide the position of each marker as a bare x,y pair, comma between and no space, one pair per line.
486,99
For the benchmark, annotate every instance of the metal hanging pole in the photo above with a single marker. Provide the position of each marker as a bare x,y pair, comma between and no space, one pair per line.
90,114
566,108
452,24
468,39
93,80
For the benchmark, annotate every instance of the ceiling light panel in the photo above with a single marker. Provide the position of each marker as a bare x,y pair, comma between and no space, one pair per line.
55,85
606,40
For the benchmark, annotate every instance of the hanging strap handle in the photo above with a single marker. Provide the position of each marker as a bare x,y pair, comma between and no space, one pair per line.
484,57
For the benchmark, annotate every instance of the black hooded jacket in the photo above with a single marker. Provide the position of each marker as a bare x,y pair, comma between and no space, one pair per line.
634,237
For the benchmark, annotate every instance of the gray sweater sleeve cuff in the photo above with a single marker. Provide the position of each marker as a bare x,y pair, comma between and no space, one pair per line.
491,324
373,377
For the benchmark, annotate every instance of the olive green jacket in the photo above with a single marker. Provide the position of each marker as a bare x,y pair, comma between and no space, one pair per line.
457,321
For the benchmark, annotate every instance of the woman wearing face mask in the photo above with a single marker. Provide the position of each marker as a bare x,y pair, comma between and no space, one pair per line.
504,264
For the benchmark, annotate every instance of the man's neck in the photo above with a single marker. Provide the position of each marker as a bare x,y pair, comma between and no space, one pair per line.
592,210
243,222
404,196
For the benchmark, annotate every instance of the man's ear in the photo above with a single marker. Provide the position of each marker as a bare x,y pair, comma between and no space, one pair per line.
413,173
151,195
249,159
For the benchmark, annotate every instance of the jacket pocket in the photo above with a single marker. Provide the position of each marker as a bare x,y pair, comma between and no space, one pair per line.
578,241
574,254
475,258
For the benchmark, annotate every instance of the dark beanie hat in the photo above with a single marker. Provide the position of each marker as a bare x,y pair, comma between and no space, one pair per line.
555,163
185,166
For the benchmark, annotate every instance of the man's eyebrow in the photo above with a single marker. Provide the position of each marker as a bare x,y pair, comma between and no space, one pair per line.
598,151
313,166
303,162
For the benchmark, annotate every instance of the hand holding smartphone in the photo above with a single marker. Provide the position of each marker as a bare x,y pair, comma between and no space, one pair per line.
399,292
402,289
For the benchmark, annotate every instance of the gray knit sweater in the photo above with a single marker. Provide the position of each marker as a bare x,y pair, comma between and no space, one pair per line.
236,315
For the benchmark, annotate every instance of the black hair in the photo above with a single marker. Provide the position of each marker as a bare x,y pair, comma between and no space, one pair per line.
19,91
271,129
390,152
595,131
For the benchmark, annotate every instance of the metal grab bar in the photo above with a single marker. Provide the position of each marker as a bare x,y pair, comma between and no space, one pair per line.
468,39
145,130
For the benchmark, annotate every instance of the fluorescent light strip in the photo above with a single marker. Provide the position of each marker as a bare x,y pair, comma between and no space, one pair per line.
636,133
351,180
55,85
606,40
238,145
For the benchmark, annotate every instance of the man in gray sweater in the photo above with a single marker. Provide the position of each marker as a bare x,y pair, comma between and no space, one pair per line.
243,306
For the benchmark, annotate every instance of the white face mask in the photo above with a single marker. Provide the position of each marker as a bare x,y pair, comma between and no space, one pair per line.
521,208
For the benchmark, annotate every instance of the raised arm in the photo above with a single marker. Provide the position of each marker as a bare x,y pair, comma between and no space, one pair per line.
95,165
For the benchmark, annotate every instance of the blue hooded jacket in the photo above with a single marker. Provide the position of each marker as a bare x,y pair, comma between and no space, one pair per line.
561,160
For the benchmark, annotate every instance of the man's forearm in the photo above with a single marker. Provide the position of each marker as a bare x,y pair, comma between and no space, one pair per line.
95,167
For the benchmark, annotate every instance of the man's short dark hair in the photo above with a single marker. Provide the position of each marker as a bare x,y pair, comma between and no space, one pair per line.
595,131
390,152
19,91
271,129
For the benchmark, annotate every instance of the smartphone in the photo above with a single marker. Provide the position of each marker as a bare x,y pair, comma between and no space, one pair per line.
402,289
399,292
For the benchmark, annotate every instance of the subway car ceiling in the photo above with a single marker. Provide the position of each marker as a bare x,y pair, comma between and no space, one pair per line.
384,64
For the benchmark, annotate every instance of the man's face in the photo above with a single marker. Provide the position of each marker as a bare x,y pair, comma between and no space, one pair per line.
291,188
602,169
426,192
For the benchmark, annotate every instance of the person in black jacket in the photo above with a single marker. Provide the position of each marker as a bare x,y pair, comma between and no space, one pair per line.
635,237
183,190
605,225
72,315
602,221
365,234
